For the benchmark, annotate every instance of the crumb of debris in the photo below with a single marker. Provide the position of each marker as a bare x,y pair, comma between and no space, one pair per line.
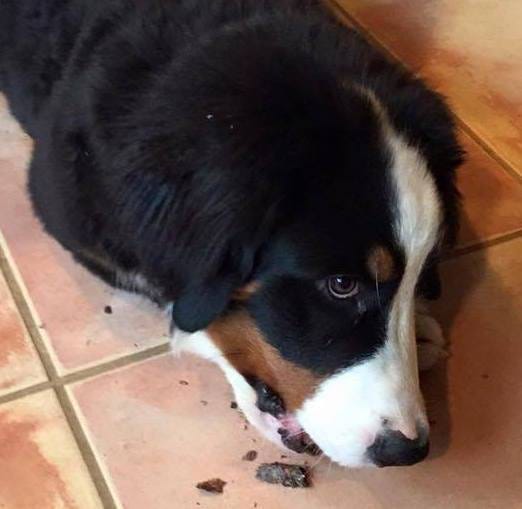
204,403
183,382
485,376
212,485
284,456
290,476
250,456
233,405
108,310
245,427
210,116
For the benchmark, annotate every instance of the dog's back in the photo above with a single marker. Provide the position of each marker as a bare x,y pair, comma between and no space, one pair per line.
36,40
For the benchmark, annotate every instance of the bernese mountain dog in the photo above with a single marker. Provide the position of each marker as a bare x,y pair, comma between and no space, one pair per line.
280,186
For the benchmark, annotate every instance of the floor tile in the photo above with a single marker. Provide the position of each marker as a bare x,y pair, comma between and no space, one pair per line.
158,439
470,50
19,363
491,198
40,465
68,301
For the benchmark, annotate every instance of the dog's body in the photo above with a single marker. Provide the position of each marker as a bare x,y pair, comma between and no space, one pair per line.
268,172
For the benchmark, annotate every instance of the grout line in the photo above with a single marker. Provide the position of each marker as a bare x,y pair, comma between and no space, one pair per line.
79,416
350,19
8,267
111,365
489,150
483,245
107,496
26,391
10,272
90,372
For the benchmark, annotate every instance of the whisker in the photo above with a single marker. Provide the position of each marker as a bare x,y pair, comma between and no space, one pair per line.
377,288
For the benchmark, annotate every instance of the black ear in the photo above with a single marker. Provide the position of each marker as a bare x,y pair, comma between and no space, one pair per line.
199,304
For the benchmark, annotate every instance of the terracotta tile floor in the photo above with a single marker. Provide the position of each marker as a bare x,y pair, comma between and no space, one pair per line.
469,49
92,413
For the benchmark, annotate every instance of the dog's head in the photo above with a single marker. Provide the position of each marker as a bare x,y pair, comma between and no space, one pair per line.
306,212
318,340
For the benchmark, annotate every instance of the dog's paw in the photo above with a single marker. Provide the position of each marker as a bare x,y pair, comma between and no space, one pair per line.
431,344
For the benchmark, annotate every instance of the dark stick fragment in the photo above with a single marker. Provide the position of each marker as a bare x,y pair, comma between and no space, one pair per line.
212,485
290,476
267,400
108,310
250,456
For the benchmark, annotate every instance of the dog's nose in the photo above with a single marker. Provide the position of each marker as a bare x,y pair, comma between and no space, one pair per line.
392,448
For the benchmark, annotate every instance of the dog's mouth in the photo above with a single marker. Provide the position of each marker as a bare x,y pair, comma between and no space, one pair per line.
291,432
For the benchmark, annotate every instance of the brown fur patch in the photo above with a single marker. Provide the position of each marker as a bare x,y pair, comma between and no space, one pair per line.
237,336
381,264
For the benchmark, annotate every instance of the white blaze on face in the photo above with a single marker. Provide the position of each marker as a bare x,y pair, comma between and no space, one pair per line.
351,408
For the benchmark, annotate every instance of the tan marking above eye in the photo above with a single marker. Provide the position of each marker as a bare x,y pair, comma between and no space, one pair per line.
245,292
381,264
237,336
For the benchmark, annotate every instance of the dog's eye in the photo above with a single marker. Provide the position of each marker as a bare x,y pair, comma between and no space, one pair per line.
342,287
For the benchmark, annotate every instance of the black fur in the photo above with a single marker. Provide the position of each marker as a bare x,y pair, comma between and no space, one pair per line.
206,143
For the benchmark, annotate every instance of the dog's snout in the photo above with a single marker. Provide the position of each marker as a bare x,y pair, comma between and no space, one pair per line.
393,448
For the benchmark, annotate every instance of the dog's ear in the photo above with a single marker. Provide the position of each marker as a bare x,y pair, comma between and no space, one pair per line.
201,303
205,298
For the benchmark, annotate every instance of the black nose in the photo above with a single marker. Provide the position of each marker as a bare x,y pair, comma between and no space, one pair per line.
392,448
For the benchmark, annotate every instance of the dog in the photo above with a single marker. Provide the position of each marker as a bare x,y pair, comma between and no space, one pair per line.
279,185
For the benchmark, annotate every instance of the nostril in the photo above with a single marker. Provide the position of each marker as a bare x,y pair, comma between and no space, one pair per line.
392,448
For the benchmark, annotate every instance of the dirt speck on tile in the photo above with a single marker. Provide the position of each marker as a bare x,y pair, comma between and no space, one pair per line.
183,382
250,456
107,310
212,485
233,405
